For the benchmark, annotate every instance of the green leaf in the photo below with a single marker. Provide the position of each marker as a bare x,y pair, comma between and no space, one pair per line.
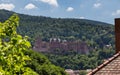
27,44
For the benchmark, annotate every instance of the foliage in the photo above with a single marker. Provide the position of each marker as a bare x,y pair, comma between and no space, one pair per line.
40,64
96,34
82,72
81,61
16,58
12,45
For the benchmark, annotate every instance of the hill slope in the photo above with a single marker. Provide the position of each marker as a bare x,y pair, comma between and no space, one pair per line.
99,36
47,27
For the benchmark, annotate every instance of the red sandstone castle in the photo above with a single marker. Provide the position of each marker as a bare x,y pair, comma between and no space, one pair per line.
56,43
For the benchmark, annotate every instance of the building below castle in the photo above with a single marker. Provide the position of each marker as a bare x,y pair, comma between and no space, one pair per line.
64,45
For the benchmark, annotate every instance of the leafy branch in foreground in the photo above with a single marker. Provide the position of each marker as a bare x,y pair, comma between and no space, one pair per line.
12,47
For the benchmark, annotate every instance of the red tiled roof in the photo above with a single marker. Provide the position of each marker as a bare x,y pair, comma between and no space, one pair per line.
109,67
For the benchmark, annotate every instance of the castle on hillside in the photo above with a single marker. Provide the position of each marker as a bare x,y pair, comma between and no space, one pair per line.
57,43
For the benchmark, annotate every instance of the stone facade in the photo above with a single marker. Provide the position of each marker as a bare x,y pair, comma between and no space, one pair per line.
56,43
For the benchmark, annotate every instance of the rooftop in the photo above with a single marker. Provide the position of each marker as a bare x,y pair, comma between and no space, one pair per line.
112,65
109,67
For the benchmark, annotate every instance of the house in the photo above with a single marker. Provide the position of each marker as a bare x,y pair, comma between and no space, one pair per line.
112,65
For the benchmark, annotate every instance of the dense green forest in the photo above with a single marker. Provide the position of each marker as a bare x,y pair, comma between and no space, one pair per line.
16,56
93,32
98,35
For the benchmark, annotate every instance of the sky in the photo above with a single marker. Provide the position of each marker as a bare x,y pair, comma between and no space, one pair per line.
98,10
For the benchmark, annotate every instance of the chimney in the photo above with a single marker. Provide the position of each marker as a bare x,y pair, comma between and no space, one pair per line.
117,34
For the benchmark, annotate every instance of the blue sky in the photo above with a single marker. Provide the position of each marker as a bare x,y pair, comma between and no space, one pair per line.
99,10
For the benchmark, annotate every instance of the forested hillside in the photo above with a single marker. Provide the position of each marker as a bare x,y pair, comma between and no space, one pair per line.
99,36
16,56
93,32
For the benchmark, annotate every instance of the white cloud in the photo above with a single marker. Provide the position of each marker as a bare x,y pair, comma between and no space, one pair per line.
51,2
116,13
7,6
69,9
30,6
97,5
82,17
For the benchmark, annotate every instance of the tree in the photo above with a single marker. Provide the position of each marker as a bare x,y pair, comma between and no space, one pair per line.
12,47
40,64
82,72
